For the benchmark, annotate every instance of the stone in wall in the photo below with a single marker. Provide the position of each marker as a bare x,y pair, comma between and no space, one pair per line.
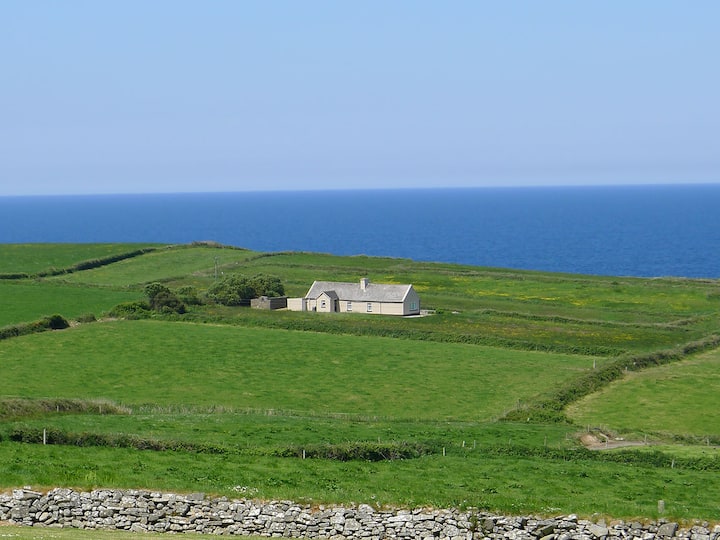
147,511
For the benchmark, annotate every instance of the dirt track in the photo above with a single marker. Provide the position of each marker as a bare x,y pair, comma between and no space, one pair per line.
593,442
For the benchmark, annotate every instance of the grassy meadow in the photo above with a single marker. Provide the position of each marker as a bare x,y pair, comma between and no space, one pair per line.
227,397
193,365
30,300
676,400
40,258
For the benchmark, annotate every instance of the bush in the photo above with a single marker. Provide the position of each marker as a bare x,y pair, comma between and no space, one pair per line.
131,310
57,322
163,299
167,302
188,295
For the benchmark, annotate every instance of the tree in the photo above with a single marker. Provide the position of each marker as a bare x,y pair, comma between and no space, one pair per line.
267,285
231,290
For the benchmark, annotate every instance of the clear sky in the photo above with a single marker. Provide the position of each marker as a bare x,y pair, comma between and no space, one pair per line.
128,96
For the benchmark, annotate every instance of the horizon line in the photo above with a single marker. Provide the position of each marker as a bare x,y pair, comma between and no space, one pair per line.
365,189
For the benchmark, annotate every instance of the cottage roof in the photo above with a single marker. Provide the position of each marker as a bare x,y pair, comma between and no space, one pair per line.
331,294
354,292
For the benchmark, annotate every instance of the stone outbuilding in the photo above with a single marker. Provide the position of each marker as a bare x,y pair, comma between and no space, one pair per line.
269,302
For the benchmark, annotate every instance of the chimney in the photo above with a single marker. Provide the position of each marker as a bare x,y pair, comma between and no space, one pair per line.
364,282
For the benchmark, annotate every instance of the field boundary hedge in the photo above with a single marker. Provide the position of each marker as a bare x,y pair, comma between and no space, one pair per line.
23,407
551,409
350,451
80,266
326,326
54,322
371,451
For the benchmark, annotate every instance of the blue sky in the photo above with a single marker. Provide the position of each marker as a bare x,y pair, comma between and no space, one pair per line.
176,96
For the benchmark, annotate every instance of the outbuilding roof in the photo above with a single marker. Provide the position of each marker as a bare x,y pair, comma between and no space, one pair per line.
355,292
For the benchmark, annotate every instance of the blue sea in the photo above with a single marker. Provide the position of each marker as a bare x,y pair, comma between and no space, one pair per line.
626,231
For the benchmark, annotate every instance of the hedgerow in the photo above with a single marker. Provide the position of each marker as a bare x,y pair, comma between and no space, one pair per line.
380,329
361,451
351,451
34,435
21,407
54,322
94,263
551,409
14,275
634,457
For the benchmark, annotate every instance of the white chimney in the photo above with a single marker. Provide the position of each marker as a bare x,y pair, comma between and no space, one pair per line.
364,282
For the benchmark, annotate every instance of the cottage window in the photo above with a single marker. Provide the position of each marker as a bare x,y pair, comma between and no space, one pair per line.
413,305
349,306
369,307
322,304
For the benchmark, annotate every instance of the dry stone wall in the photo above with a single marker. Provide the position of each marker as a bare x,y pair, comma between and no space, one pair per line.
167,512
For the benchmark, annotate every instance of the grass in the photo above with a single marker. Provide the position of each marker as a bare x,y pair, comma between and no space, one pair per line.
527,310
26,300
509,329
517,485
35,258
188,263
176,364
681,399
249,388
40,533
444,285
264,432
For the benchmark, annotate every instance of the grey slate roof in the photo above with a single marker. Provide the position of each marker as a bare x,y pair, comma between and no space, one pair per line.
332,294
374,292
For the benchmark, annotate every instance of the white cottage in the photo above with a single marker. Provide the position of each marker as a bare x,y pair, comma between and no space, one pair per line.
362,297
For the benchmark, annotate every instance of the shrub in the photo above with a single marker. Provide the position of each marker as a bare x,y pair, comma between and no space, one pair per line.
188,295
163,299
167,302
57,322
138,309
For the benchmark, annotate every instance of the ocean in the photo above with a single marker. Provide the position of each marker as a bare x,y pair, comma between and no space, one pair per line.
647,231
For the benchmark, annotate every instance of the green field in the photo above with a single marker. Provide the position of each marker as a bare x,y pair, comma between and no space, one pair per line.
187,263
228,396
175,364
30,300
34,258
678,399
